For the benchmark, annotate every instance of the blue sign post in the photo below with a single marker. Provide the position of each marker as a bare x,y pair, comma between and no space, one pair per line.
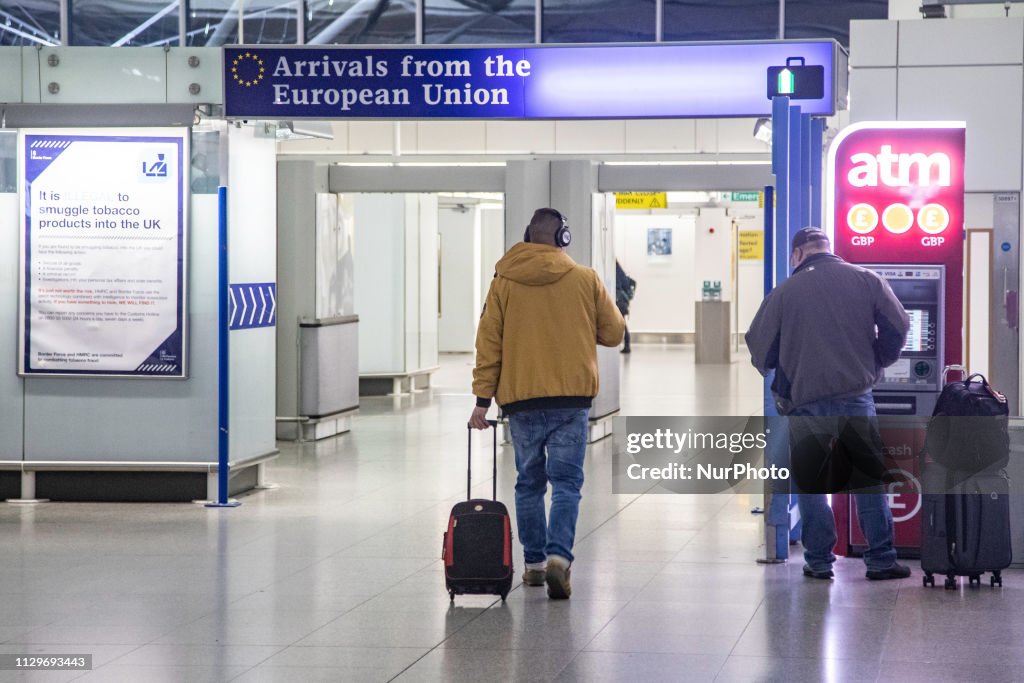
223,386
796,164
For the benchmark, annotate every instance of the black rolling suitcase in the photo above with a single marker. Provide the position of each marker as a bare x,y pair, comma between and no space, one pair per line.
477,548
965,532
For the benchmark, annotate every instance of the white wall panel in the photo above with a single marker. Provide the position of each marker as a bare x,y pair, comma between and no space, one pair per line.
714,249
873,94
459,231
520,137
665,135
979,210
370,137
10,63
707,135
85,74
492,248
380,281
737,136
11,393
903,9
973,41
988,9
989,99
426,288
881,36
978,295
408,134
665,286
573,137
151,420
450,137
337,145
252,249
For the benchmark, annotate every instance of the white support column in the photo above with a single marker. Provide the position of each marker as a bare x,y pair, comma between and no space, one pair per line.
28,490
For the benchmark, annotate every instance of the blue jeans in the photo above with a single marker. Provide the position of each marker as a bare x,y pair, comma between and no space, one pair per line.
563,434
873,514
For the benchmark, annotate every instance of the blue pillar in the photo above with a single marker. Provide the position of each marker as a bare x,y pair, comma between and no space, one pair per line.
769,237
780,169
805,171
223,386
816,188
796,164
796,188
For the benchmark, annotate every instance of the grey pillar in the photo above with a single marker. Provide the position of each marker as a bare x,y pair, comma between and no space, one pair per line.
298,183
527,188
569,186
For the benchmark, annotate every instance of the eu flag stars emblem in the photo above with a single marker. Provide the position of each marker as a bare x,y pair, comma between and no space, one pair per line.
247,69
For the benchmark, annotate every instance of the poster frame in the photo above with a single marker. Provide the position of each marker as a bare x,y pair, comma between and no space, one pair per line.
179,135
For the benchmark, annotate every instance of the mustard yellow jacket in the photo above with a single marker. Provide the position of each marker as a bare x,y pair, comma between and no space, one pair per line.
538,334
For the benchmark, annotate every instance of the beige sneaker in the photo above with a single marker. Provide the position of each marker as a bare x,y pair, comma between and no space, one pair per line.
533,577
557,578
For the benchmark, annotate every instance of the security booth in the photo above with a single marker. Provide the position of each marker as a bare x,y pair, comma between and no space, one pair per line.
896,206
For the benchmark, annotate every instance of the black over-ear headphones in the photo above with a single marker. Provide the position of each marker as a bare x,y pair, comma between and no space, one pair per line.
562,236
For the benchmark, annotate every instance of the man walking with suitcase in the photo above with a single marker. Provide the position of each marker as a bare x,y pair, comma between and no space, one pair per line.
536,349
827,331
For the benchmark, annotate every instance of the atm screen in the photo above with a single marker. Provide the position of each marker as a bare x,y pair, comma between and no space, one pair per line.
917,337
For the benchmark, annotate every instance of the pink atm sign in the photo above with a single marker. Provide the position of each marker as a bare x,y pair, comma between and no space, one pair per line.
896,192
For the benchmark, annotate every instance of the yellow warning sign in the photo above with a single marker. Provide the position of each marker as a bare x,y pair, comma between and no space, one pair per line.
641,200
751,245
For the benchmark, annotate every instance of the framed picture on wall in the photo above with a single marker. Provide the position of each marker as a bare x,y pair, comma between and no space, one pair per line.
659,244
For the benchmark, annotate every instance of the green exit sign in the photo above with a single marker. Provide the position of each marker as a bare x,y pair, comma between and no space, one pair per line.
746,196
796,80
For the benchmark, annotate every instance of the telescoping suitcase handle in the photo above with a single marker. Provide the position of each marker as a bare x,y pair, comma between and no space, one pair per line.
953,368
469,462
964,376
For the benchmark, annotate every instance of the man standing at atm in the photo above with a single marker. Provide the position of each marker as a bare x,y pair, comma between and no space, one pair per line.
828,331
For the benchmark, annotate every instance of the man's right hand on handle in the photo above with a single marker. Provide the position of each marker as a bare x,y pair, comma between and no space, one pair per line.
478,420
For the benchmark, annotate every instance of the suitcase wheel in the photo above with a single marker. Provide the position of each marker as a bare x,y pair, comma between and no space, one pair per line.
950,583
928,579
996,579
503,596
974,579
451,595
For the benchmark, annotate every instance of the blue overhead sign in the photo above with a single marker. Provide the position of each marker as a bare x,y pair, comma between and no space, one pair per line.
543,82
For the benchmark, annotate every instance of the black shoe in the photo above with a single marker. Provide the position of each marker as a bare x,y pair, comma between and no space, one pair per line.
896,571
825,574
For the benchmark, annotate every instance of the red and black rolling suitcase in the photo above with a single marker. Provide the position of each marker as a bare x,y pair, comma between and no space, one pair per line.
477,548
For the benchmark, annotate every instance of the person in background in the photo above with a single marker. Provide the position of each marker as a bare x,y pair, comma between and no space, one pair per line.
625,290
828,331
536,353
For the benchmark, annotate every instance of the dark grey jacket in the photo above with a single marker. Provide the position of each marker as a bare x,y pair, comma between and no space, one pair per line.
817,330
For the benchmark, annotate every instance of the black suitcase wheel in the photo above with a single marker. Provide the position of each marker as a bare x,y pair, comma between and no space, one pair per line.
996,579
974,579
451,595
950,583
503,596
928,579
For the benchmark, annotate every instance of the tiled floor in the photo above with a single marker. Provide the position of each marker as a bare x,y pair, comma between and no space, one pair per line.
335,575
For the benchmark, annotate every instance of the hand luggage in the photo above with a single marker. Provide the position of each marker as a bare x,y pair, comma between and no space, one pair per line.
965,532
968,429
477,548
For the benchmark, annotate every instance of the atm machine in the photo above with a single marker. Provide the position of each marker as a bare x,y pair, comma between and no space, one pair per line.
911,385
896,206
908,387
